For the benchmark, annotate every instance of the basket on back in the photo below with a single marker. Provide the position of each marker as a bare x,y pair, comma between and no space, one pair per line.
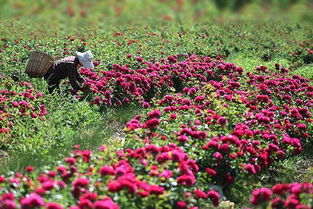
38,64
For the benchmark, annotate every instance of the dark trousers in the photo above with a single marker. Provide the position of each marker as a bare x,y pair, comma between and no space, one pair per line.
53,82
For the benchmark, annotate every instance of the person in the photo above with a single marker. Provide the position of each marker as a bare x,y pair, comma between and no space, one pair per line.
68,68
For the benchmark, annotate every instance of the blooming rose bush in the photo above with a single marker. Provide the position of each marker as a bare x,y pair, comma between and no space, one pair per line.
294,195
19,102
146,177
231,127
123,85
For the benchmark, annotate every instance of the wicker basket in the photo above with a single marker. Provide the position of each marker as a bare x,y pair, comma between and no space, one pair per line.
38,64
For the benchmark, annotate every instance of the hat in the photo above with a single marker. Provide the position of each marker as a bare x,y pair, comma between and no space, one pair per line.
85,59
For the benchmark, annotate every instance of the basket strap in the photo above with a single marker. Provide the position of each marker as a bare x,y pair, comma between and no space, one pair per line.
51,74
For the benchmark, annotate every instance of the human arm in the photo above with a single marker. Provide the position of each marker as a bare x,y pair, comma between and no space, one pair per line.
79,78
74,77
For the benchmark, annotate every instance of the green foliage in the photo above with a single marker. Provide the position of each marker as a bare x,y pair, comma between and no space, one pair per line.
305,71
84,12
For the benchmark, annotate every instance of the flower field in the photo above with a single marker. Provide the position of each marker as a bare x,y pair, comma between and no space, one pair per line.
221,126
172,116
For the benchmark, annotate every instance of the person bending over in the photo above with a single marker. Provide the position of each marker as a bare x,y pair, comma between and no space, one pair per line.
68,68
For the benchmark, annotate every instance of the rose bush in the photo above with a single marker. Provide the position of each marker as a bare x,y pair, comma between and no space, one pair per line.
294,195
123,85
147,177
231,127
19,102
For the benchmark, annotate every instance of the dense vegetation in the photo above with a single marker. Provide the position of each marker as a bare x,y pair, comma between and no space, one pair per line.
175,115
155,11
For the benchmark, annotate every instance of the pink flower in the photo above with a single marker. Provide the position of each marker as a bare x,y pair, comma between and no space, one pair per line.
102,148
114,186
302,126
152,123
152,148
33,115
302,206
143,193
7,196
154,114
262,98
280,188
14,180
38,94
224,148
145,105
2,179
89,196
200,194
29,169
222,121
172,59
7,204
15,104
210,171
61,169
166,173
40,191
106,170
139,59
48,185
155,189
105,204
173,116
51,174
298,188
218,156
260,196
229,178
211,144
192,91
214,196
86,154
250,168
201,135
276,202
199,99
181,205
163,157
53,205
70,160
80,183
187,180
32,201
85,203
61,184
292,201
182,138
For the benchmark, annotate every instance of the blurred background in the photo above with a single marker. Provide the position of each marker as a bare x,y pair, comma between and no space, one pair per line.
154,11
